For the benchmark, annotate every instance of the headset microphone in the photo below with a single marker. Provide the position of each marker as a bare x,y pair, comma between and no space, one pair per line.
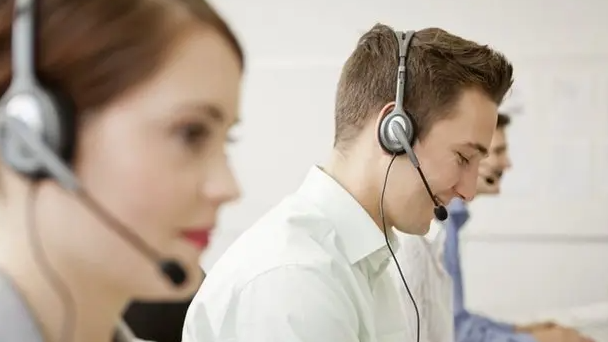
441,213
15,128
399,134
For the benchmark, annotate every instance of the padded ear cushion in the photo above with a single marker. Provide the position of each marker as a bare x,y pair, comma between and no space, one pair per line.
65,120
58,133
387,139
68,126
412,131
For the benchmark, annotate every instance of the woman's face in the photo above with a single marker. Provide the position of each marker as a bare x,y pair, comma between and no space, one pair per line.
156,160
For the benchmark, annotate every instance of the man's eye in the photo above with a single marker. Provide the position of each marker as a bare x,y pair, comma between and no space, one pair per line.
462,160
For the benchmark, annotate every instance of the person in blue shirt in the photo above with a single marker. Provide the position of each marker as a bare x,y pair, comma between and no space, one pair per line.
470,327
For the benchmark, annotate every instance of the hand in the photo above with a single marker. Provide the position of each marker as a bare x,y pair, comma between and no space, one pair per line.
487,182
559,334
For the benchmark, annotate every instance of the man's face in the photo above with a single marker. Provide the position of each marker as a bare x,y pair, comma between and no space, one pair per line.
449,157
492,168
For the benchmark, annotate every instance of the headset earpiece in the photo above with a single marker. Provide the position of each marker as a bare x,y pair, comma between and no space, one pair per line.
386,136
388,141
47,117
37,110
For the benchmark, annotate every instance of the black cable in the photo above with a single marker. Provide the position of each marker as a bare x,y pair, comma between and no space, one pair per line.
51,275
390,249
114,224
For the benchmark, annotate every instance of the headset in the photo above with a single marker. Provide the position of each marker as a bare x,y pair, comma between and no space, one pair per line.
397,133
38,135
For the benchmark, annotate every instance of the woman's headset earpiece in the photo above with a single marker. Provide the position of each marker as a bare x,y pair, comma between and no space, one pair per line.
31,105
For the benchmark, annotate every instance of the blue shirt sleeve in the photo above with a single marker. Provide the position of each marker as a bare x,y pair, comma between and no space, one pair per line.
492,323
474,328
470,327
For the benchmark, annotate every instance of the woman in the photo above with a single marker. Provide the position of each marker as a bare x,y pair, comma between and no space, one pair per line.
154,85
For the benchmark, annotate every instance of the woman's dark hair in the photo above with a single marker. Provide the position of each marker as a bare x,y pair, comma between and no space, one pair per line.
96,50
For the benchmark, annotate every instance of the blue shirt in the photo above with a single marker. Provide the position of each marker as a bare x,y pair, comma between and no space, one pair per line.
470,327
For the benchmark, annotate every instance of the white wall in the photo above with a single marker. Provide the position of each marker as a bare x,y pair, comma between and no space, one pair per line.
543,244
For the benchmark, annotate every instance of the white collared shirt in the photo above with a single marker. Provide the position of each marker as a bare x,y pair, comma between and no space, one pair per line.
314,269
431,286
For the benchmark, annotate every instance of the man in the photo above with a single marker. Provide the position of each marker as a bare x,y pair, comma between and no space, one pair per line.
474,328
314,269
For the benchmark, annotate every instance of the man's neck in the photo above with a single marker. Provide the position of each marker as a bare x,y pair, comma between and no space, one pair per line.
353,175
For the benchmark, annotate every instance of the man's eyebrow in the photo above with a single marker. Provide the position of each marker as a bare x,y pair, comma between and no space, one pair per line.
499,149
479,147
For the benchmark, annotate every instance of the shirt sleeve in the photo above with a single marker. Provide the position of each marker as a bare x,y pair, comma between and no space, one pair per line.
475,328
295,304
492,323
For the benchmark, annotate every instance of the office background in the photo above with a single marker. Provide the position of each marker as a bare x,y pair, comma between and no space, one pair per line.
542,246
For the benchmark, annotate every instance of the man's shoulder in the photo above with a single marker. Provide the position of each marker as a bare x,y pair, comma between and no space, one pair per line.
291,234
224,290
308,293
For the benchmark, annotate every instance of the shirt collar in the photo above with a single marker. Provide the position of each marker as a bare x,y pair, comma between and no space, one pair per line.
379,259
357,232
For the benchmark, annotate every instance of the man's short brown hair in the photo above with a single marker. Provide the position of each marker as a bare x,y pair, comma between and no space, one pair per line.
440,66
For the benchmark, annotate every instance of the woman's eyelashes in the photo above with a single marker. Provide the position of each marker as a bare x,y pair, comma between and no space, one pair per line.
194,135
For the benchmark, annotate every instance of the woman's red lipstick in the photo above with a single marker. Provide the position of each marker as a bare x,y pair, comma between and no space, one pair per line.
198,237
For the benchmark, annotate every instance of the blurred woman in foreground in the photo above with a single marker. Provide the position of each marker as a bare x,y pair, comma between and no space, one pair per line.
152,88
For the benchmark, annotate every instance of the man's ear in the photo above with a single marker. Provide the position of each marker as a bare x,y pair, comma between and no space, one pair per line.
384,112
